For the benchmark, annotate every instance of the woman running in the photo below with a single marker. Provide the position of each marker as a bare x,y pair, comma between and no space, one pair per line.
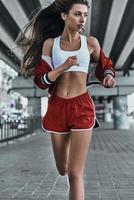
58,55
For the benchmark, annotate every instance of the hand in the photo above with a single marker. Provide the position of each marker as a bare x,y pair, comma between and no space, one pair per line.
109,81
72,60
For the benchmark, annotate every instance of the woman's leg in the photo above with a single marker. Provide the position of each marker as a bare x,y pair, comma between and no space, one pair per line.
61,144
78,152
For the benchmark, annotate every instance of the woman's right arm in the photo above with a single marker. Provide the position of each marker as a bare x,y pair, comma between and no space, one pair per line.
44,74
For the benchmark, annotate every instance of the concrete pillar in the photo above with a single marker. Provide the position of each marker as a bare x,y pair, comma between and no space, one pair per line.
34,106
120,118
107,111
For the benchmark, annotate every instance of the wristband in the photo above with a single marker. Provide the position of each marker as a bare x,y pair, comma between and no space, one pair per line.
108,72
46,80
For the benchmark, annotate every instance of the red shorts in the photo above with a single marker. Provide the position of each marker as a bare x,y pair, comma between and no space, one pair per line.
67,115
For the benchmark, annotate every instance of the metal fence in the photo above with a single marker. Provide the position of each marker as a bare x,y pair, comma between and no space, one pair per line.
13,129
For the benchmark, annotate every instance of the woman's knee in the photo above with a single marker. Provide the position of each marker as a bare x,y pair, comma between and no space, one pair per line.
75,174
62,170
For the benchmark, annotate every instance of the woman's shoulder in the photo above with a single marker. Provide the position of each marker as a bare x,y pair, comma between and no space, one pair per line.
48,42
92,41
47,46
93,44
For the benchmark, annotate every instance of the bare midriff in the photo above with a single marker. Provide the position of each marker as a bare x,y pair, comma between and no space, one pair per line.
71,84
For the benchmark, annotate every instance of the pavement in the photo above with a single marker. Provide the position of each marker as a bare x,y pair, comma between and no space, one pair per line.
28,172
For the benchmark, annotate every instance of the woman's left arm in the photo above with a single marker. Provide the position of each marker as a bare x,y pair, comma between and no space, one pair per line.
104,72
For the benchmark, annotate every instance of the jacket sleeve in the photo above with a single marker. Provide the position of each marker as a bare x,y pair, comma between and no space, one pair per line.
40,74
104,67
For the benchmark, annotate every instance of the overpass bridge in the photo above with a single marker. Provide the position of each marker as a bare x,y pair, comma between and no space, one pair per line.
110,21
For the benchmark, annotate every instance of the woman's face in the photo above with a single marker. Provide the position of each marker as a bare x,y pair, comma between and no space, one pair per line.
76,18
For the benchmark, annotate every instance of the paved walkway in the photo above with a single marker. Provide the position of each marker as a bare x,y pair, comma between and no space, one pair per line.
27,168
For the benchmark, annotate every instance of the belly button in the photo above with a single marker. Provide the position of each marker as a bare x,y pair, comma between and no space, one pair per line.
67,94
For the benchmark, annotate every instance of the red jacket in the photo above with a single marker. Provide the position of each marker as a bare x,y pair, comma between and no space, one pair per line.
104,66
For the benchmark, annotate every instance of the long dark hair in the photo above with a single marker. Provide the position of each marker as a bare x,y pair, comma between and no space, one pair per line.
47,23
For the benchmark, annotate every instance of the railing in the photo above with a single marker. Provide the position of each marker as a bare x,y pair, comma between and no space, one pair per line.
13,129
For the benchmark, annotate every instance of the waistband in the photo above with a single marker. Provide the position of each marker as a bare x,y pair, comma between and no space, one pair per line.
70,100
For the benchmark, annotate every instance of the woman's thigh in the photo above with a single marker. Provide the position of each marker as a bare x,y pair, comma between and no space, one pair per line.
80,141
61,144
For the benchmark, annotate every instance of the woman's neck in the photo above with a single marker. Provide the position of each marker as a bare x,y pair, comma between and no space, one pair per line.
69,36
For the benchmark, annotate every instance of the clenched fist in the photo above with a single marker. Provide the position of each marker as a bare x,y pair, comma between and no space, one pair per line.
109,81
72,60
